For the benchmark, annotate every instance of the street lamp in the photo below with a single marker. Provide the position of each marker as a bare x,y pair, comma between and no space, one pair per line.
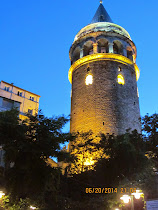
126,198
32,207
1,194
137,194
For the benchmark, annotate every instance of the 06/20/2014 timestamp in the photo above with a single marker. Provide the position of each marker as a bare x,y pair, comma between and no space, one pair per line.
97,190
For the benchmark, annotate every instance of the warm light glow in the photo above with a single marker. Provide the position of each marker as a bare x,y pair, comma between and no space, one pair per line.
89,162
32,207
125,198
137,194
102,56
137,72
89,79
1,194
120,79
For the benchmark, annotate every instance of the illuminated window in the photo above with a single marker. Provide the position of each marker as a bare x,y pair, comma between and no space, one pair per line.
120,79
89,79
119,69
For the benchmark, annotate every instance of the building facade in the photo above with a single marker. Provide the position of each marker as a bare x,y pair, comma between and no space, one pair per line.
104,78
13,96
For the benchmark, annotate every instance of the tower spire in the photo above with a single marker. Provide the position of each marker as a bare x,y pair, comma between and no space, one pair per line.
101,15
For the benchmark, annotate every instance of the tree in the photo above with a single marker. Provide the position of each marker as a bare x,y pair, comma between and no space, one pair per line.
28,144
122,164
150,131
84,151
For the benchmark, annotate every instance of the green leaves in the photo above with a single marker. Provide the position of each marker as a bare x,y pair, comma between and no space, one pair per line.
28,144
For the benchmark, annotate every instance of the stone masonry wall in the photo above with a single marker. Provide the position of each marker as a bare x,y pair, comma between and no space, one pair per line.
104,106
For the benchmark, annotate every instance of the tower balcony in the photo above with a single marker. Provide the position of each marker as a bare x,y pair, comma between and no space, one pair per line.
103,56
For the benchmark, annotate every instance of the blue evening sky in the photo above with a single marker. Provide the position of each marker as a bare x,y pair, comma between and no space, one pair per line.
36,36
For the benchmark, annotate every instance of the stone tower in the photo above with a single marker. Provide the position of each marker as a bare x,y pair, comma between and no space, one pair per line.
104,78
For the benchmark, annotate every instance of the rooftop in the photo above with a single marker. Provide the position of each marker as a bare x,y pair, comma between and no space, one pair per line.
101,15
19,88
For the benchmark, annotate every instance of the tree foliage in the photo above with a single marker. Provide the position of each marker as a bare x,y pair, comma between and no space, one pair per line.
150,131
122,164
106,161
28,144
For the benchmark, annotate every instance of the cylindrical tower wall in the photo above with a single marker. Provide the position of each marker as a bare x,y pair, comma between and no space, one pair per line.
105,105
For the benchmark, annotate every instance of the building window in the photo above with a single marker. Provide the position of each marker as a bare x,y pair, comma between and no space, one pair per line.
89,79
120,79
119,69
6,88
31,98
19,93
30,111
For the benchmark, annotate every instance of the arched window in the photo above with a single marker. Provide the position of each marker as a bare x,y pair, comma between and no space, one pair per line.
76,54
129,53
117,47
120,79
88,48
102,45
89,79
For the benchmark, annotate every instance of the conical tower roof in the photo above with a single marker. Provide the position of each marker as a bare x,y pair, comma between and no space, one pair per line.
101,15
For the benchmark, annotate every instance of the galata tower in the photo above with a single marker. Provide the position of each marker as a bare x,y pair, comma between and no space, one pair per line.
104,76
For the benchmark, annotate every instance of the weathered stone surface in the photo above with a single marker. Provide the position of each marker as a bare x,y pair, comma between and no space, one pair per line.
105,106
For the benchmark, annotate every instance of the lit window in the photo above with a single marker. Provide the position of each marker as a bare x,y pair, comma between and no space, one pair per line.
119,68
30,111
89,79
120,79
